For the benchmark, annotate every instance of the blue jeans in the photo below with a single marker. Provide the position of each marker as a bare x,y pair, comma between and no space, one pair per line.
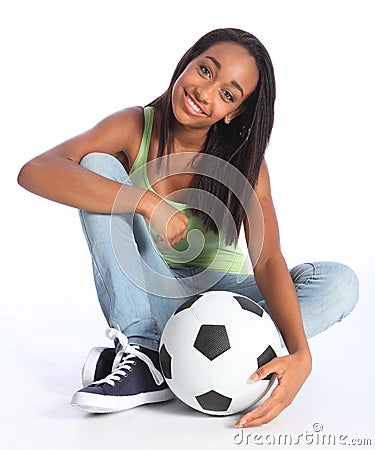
138,291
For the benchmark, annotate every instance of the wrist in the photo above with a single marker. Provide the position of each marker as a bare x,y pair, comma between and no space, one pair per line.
147,204
300,348
304,356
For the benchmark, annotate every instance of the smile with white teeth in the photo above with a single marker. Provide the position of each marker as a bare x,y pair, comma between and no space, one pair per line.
193,105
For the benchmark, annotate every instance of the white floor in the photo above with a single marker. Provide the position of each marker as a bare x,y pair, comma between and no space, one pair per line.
43,347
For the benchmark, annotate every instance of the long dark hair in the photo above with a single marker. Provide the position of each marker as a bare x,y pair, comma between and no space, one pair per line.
242,142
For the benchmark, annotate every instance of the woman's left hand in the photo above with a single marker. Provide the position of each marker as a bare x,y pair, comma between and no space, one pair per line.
291,372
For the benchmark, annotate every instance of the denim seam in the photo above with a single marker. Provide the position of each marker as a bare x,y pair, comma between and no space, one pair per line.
96,264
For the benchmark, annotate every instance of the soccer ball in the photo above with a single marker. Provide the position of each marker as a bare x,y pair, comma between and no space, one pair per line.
211,346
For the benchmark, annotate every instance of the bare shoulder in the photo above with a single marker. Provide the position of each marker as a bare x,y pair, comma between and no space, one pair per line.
119,133
124,120
122,131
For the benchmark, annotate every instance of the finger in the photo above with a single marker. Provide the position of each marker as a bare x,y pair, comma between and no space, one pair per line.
261,410
264,418
263,414
266,370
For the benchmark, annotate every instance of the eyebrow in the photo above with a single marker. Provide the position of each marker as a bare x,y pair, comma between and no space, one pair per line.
236,85
215,61
218,66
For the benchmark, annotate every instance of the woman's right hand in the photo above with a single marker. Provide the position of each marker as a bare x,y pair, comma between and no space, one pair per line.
169,223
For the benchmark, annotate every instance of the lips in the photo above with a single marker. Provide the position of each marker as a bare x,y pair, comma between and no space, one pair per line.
193,106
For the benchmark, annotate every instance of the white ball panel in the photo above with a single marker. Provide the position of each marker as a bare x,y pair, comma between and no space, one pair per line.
180,331
190,371
213,307
249,395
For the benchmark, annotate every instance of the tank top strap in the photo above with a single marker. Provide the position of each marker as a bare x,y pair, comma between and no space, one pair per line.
144,148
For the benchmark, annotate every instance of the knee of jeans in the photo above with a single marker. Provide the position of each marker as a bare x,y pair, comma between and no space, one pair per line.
341,284
106,165
349,284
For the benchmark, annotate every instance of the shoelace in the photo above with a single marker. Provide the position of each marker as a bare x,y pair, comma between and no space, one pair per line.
124,360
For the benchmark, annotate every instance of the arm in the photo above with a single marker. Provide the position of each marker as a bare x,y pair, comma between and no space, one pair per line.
280,294
274,281
57,175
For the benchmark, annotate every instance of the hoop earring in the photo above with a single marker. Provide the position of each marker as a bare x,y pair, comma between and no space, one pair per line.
227,120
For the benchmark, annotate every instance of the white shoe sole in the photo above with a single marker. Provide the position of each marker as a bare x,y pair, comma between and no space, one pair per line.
96,403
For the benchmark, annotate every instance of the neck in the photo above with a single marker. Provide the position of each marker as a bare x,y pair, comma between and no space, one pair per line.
188,139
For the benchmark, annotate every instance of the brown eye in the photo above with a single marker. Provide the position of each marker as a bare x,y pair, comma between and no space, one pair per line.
228,95
205,70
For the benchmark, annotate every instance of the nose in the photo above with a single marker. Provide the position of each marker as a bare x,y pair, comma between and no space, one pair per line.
204,94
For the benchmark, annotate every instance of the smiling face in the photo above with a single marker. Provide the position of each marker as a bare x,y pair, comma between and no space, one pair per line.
214,85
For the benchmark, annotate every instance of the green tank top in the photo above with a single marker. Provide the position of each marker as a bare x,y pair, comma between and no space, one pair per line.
200,248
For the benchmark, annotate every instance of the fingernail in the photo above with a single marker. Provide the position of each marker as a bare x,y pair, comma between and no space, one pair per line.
240,424
254,377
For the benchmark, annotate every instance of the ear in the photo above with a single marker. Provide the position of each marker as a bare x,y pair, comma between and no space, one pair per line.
234,114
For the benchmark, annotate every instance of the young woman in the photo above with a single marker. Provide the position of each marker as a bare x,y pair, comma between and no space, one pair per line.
162,207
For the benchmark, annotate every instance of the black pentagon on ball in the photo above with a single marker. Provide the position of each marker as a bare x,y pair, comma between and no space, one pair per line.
165,362
213,401
187,304
266,357
212,340
249,305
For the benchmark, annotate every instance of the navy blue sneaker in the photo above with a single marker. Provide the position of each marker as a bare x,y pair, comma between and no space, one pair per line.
135,380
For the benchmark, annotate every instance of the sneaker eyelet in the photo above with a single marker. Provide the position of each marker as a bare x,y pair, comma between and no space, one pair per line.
130,369
126,375
134,363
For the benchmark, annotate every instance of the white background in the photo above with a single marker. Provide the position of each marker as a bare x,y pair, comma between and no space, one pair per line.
67,64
